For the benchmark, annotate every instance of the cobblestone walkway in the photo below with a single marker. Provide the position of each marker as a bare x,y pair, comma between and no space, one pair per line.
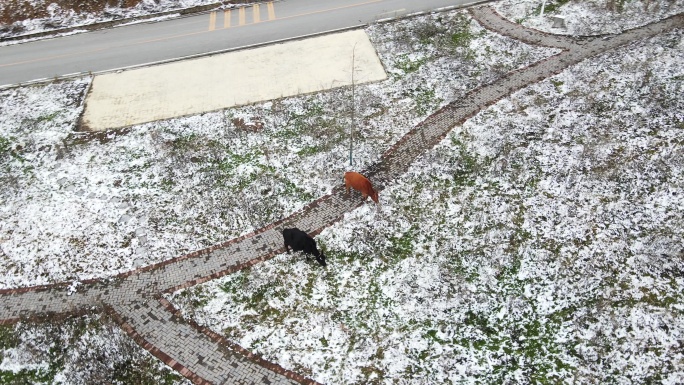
134,299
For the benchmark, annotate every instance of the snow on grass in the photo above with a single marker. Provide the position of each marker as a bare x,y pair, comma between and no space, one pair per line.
81,205
85,350
588,17
539,242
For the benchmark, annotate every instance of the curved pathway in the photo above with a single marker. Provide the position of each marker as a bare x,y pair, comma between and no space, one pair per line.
134,299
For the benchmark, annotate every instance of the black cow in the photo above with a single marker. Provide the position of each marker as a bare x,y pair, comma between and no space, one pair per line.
301,241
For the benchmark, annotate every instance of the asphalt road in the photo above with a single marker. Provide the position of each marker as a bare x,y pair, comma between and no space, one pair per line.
151,42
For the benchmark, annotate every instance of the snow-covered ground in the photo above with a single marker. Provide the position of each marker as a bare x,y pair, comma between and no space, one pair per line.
540,240
83,206
589,17
85,350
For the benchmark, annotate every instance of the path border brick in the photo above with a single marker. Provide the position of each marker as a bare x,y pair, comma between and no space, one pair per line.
237,348
140,340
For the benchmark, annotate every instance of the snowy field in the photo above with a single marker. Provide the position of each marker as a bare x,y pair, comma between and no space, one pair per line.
588,17
83,206
539,241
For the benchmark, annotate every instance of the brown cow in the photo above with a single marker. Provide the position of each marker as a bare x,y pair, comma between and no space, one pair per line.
360,183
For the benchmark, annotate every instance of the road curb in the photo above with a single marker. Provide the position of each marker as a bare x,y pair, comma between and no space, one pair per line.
241,48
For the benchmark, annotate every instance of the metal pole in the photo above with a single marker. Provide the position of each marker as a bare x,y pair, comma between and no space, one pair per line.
542,8
351,130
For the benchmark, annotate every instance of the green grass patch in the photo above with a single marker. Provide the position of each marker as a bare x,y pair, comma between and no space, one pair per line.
8,338
5,146
557,84
142,373
402,247
408,65
305,122
291,189
9,150
480,322
310,150
455,266
464,173
47,117
197,297
222,170
186,142
345,258
461,36
27,377
236,282
426,101
428,32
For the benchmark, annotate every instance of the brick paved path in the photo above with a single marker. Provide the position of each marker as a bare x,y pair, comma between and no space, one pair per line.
134,299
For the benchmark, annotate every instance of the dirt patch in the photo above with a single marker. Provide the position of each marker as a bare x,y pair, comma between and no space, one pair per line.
13,11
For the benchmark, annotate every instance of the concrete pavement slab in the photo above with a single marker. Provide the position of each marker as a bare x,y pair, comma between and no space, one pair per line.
230,79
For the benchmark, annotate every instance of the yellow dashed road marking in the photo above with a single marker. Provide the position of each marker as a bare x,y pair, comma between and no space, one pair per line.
226,18
271,10
212,21
256,13
241,16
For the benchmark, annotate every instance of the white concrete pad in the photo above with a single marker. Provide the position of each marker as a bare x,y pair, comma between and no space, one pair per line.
225,80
